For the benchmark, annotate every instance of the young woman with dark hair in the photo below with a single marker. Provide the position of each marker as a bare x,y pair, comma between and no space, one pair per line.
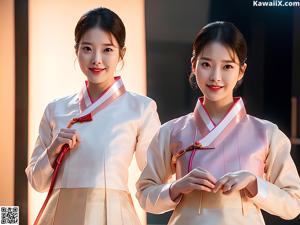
229,165
87,140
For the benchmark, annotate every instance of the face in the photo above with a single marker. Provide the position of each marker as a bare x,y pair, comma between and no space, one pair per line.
98,55
217,71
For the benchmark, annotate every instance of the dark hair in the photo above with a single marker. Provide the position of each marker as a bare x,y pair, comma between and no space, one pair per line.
224,32
104,19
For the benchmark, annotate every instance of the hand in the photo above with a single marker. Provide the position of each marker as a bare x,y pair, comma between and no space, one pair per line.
65,136
237,181
197,179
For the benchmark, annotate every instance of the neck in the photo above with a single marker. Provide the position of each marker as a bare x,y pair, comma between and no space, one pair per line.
96,90
218,109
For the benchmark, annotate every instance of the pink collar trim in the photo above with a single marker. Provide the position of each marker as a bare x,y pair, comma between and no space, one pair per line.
86,102
204,122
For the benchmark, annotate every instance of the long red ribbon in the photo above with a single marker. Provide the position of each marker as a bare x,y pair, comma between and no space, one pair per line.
58,162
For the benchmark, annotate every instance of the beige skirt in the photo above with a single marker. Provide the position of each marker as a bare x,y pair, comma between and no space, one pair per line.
87,206
204,208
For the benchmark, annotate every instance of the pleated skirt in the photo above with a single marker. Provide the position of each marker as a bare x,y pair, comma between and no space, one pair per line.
204,208
89,206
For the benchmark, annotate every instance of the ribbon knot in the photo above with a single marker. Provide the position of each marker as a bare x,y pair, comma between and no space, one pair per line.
85,118
82,119
196,146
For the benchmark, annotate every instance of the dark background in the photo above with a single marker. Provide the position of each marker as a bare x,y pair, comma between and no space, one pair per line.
272,76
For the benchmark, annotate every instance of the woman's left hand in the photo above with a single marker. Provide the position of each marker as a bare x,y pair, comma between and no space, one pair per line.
237,181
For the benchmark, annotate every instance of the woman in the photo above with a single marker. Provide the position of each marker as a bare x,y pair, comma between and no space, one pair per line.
229,165
91,136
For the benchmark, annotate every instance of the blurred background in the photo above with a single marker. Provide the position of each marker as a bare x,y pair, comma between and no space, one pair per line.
38,64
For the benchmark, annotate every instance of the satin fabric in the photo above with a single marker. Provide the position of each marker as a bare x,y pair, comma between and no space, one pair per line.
244,153
86,206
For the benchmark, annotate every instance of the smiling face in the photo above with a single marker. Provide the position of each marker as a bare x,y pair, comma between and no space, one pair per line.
217,71
98,55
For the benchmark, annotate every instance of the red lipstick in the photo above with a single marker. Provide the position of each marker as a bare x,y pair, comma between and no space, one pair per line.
214,87
96,71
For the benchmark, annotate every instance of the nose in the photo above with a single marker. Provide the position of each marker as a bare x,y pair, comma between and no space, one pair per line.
215,75
97,59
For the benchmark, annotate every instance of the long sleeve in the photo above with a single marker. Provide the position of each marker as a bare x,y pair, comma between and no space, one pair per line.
149,125
152,187
39,169
279,194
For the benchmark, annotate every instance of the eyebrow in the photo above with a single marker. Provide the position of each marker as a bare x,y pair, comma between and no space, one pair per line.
88,43
226,61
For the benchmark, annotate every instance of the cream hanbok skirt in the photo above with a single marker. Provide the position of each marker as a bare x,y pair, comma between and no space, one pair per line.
204,208
87,206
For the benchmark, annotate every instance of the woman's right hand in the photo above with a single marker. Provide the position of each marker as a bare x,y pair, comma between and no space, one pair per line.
64,136
198,179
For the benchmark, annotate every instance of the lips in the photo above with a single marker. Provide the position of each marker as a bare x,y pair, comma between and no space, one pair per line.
96,71
214,87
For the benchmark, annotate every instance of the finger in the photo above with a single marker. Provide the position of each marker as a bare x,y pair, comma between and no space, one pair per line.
204,182
201,170
77,137
67,130
63,140
220,183
200,187
232,189
65,135
228,185
70,136
74,138
200,173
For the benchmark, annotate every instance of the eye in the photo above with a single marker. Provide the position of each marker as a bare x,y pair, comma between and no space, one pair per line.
87,49
228,67
108,50
205,64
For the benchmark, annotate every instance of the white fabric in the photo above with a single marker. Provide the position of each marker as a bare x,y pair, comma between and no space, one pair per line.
123,128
